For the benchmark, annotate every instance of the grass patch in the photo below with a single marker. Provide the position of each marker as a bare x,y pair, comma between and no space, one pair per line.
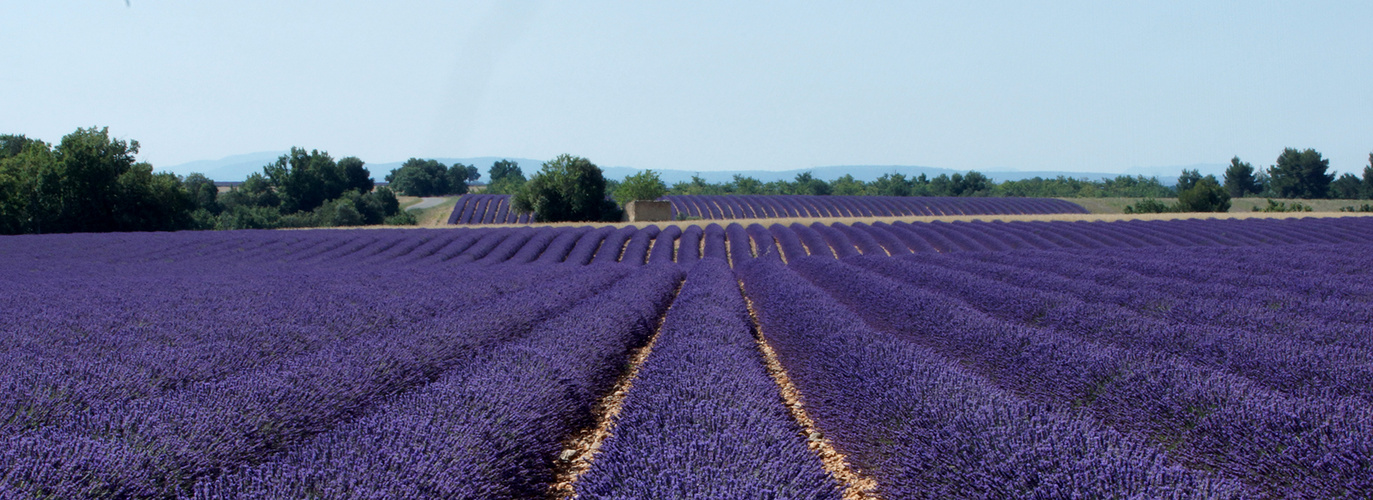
435,216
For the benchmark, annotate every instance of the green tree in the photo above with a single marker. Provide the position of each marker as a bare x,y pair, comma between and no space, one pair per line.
506,178
504,169
890,185
342,211
255,191
742,184
11,145
355,175
1239,179
418,177
848,186
807,184
248,217
24,165
305,180
1346,187
645,185
1205,195
151,202
941,185
973,184
458,177
472,173
697,186
1300,174
1188,179
1368,178
203,193
568,188
89,182
84,195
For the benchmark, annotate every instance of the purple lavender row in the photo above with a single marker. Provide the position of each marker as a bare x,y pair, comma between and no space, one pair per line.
977,236
1259,269
924,427
763,206
587,245
765,244
788,242
492,428
486,209
636,250
1286,311
1280,446
713,243
703,419
495,209
689,245
1265,281
613,247
207,428
1208,288
118,343
664,246
1270,360
421,247
1336,297
111,339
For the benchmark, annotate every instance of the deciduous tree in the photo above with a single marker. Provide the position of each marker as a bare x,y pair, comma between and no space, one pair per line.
506,178
645,185
568,188
305,180
417,177
1205,195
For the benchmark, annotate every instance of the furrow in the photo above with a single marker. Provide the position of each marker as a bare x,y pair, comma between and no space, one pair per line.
575,459
857,485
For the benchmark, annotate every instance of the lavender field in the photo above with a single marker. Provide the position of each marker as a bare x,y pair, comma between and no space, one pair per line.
1191,358
476,209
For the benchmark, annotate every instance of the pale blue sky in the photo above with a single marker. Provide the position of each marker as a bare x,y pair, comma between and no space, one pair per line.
1069,85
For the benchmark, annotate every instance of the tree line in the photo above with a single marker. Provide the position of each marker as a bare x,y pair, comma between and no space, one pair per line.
91,182
1301,174
971,184
573,188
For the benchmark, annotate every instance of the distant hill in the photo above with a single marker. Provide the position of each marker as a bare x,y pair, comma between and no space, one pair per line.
238,167
232,168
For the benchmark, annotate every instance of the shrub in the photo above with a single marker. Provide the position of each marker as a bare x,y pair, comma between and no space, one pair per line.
1150,206
1279,206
